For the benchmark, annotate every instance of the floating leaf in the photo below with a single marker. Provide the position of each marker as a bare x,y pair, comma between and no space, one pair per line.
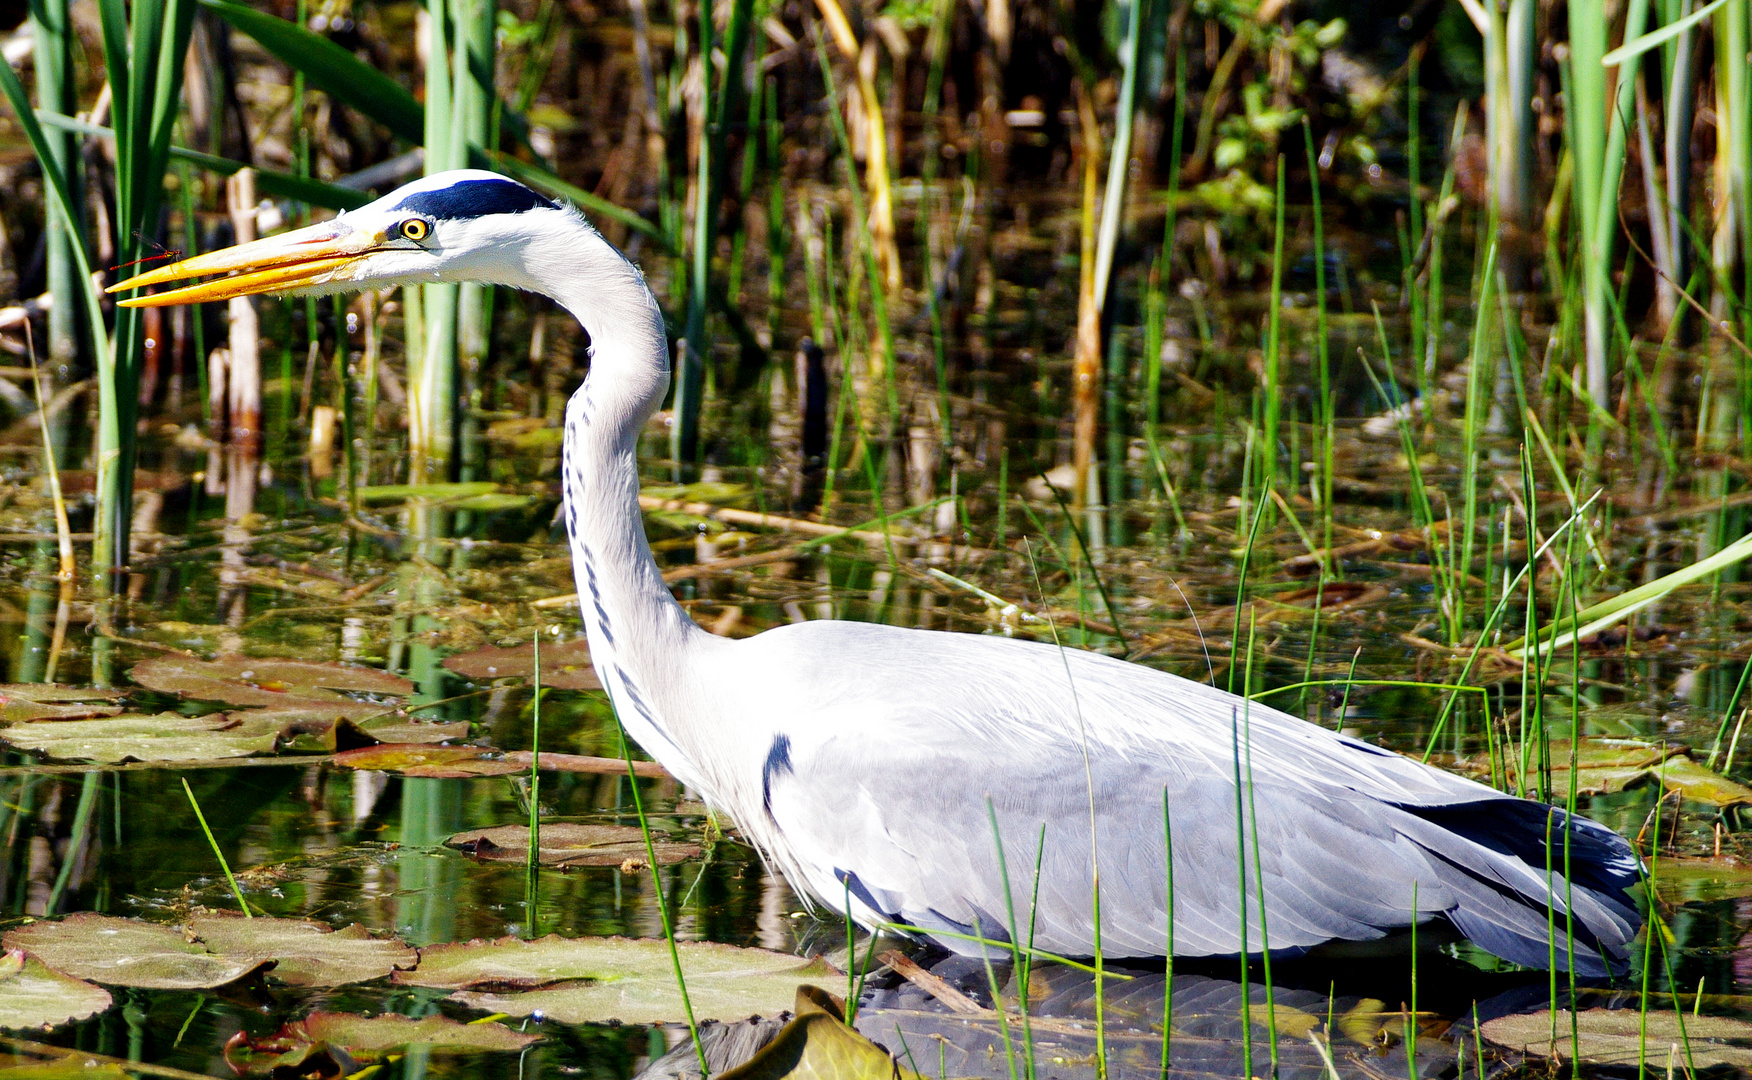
1680,881
526,433
137,737
1361,1023
362,1039
245,680
415,759
127,952
564,665
301,732
305,953
1618,1037
294,693
42,692
73,1065
383,493
24,702
35,996
589,980
491,503
817,1045
451,762
705,491
1608,764
1692,780
567,844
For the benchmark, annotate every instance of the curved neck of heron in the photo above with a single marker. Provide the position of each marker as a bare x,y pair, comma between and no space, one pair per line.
639,636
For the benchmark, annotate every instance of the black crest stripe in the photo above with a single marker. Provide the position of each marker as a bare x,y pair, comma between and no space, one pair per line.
473,199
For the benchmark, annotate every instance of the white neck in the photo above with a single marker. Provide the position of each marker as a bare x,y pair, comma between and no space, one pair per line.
642,643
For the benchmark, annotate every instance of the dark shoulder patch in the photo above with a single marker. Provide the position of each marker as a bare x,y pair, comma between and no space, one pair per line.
778,760
475,198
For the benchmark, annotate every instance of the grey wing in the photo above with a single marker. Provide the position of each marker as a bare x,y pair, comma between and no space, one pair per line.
910,838
916,835
892,812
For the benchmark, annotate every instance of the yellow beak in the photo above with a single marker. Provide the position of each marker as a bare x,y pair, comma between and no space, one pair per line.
314,255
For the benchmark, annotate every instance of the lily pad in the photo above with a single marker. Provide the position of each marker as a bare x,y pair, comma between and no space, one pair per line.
704,491
303,733
1692,780
526,433
292,688
47,692
302,1045
564,666
1681,880
33,995
492,502
589,980
455,762
1618,1037
817,1045
305,953
441,492
22,702
567,844
127,952
73,1065
418,759
141,737
1605,765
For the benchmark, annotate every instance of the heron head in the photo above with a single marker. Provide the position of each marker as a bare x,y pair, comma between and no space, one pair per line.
465,225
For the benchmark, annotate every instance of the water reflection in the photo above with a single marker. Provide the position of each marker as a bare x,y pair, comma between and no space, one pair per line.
1311,1022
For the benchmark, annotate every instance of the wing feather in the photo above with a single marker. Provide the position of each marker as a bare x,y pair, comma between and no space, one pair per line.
899,774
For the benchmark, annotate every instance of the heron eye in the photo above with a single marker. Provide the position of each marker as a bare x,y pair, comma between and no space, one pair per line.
415,229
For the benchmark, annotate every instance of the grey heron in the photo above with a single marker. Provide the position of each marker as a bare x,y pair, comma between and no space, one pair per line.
869,763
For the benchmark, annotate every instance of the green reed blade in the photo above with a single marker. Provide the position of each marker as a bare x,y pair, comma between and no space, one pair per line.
1272,381
1168,957
1411,1016
693,1028
207,832
1323,364
1017,963
1258,863
534,855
